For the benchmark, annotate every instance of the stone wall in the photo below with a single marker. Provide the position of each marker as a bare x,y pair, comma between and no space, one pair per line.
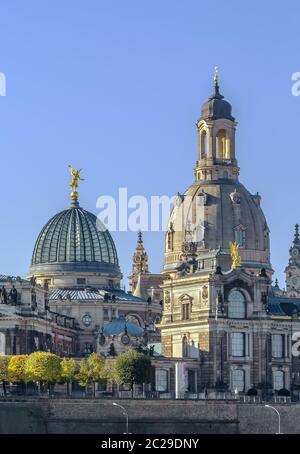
145,417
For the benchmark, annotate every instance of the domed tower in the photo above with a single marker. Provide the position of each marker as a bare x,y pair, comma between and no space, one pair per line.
217,263
76,261
75,249
217,209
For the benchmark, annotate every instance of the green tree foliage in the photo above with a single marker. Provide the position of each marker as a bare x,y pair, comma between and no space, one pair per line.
69,368
16,368
92,371
4,361
43,367
132,368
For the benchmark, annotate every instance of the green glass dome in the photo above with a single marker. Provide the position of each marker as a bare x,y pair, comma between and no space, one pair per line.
74,240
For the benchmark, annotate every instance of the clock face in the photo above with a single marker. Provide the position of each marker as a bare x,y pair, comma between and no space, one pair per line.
295,281
87,319
125,339
295,252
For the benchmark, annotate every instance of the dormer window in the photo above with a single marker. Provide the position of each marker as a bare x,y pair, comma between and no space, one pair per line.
240,236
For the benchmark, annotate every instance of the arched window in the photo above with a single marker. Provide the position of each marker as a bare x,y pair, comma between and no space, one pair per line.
222,145
278,380
203,144
185,347
238,380
236,305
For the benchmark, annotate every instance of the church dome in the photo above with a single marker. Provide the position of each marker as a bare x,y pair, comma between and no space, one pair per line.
230,214
74,240
216,107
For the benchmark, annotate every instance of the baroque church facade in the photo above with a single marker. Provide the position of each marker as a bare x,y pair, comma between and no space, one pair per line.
221,309
213,317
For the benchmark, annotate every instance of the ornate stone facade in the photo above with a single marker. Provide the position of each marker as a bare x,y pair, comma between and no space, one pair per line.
227,317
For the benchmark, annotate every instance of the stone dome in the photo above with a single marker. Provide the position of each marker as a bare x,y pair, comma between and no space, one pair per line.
216,107
74,240
229,210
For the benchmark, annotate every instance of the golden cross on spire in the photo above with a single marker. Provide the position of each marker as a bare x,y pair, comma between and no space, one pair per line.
74,182
216,69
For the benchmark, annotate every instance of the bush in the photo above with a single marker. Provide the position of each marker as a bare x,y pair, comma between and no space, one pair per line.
283,392
221,386
252,392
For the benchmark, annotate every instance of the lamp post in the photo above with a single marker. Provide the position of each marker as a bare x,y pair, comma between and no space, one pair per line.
125,413
278,414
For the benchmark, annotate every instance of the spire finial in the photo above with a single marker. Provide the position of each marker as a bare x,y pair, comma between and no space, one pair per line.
216,81
297,236
140,236
216,78
74,182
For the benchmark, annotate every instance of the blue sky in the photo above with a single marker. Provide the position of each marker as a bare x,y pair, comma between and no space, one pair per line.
115,87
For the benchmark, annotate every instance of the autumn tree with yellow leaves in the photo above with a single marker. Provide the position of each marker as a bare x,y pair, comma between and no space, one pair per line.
92,371
16,369
43,368
4,361
69,368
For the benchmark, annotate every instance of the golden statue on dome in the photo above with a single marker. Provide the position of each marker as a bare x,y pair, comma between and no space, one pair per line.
235,256
74,182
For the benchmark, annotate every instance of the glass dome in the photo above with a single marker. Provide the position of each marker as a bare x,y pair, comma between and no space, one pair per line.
74,240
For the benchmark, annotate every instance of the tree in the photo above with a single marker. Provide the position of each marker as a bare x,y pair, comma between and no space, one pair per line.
83,375
43,367
69,367
4,361
16,369
132,368
92,371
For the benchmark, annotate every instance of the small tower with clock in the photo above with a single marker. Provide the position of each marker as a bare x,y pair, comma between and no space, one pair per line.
292,271
139,263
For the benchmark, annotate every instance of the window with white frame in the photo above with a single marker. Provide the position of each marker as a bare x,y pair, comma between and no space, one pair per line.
236,305
277,345
161,380
278,380
238,344
238,380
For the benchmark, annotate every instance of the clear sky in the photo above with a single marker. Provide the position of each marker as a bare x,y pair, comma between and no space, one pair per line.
115,87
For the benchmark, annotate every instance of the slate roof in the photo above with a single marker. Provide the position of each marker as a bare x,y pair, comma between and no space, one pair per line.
92,294
283,306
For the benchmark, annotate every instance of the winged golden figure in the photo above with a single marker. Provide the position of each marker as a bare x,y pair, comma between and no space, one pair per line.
75,178
235,256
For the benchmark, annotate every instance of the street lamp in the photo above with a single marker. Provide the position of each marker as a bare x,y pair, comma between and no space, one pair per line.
125,413
278,414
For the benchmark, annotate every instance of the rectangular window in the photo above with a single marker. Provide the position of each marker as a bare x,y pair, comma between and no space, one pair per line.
238,344
278,380
238,380
161,380
277,345
186,311
192,379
